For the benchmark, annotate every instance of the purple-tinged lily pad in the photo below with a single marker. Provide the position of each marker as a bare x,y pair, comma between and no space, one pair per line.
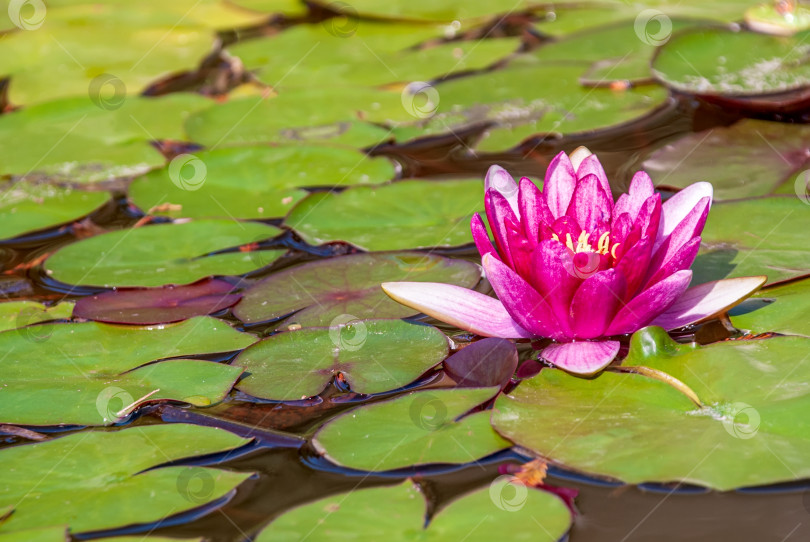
488,362
347,287
157,305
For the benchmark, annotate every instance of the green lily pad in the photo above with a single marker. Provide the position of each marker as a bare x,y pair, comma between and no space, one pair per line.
315,115
419,428
762,236
447,11
58,534
160,254
100,480
401,215
518,108
283,7
398,514
749,158
89,373
364,53
785,311
253,182
74,140
767,18
14,314
373,356
718,61
27,207
318,292
755,395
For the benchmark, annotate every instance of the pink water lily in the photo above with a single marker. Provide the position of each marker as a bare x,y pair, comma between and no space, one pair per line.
571,265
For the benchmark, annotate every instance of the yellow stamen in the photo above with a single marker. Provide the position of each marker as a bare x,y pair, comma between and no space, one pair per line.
555,237
613,250
604,243
568,242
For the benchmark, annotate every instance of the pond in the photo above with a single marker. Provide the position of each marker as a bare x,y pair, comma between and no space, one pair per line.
283,270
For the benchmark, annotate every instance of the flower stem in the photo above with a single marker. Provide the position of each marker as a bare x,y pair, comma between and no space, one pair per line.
663,377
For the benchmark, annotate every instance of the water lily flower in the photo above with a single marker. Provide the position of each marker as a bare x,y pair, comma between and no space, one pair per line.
571,265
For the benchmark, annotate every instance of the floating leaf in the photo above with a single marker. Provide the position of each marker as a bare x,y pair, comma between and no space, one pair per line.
415,429
776,19
102,479
284,7
447,11
89,373
321,291
315,115
398,514
755,395
749,158
373,356
708,61
157,305
488,362
14,314
75,140
780,309
518,108
27,207
160,254
367,53
253,182
401,215
763,236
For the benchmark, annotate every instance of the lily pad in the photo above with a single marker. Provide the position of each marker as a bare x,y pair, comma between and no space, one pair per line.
768,19
749,158
101,480
321,291
283,7
401,215
365,53
160,254
719,61
511,101
373,356
447,11
75,140
59,534
756,237
419,428
253,182
14,314
755,395
334,115
27,207
780,309
487,362
157,305
399,515
89,373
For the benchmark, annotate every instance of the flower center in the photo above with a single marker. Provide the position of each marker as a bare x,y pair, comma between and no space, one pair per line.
582,244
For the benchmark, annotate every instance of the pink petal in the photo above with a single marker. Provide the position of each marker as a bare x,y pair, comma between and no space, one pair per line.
533,211
706,300
641,188
463,308
678,206
690,227
521,300
595,302
650,303
554,280
682,259
559,184
481,237
499,215
591,166
591,205
583,357
502,182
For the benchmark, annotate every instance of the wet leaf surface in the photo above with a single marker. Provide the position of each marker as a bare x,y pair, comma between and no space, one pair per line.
372,356
96,374
753,414
218,183
418,428
399,513
14,314
377,218
103,482
488,362
780,309
157,305
160,254
319,292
